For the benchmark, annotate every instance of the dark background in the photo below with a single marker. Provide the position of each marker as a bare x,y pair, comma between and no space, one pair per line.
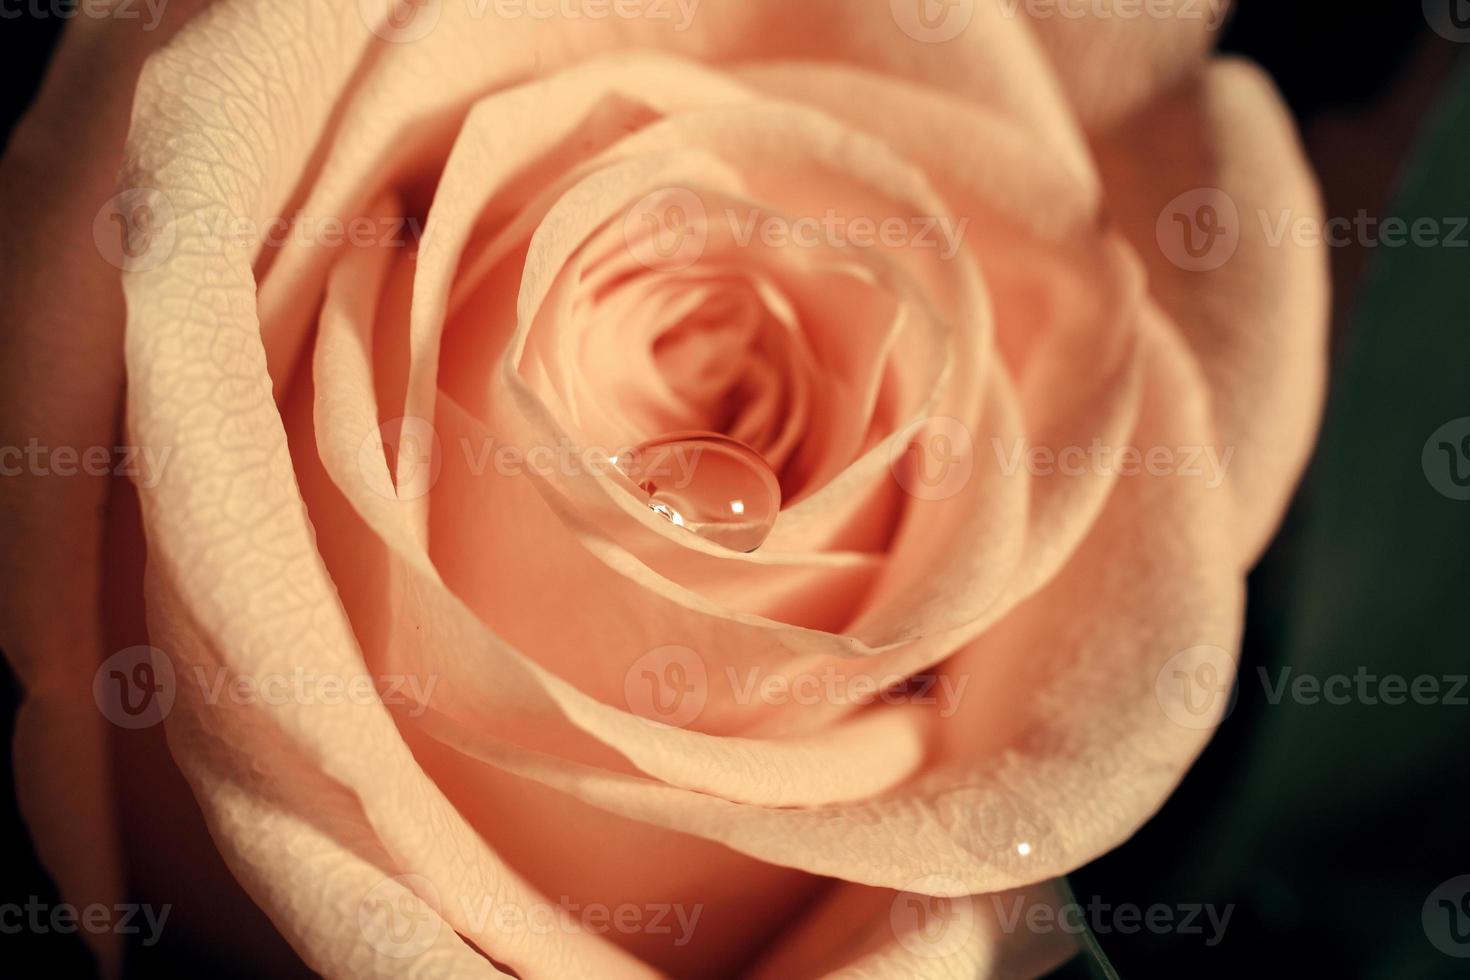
1326,827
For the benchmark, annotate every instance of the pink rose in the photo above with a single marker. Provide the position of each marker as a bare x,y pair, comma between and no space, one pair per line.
474,659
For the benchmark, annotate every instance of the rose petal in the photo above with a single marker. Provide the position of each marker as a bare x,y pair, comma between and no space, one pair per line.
228,502
1258,321
60,382
1114,56
885,935
299,843
465,55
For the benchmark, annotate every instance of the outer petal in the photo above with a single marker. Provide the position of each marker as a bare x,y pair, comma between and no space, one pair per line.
1114,56
1256,317
235,578
60,385
301,846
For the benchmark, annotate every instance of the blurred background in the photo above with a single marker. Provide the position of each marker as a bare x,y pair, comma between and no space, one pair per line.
1331,830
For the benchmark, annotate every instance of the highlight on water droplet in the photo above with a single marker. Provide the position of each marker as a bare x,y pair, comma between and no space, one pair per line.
708,484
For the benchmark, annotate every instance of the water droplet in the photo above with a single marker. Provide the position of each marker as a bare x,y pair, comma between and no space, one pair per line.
709,484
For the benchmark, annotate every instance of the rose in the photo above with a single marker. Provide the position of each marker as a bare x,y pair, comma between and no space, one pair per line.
588,718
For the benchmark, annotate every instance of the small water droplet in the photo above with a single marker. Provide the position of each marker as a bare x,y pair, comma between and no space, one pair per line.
709,484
